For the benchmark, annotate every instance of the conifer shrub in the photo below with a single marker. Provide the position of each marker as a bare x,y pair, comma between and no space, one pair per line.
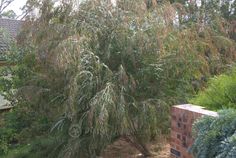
215,137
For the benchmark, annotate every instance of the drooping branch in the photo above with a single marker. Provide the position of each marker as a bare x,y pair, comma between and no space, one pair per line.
4,4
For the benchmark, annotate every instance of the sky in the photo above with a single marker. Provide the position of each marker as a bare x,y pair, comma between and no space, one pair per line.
16,5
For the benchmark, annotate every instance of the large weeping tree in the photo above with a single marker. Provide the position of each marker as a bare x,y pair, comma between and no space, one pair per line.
102,72
105,75
104,101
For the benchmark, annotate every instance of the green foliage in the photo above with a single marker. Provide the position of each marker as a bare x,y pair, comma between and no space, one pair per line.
4,12
6,135
9,14
216,137
26,90
220,93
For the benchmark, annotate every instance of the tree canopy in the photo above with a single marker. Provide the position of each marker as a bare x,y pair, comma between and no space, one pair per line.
4,4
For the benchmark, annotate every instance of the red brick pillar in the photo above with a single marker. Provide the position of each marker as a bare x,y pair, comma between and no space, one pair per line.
182,118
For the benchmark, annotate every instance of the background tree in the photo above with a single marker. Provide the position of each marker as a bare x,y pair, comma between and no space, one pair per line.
9,14
3,6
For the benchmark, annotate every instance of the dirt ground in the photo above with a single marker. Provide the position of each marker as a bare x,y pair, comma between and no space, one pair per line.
121,149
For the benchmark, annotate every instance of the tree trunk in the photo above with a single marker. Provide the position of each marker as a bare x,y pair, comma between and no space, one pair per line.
138,145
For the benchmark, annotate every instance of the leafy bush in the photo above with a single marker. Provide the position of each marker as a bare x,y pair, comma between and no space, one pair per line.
221,92
216,136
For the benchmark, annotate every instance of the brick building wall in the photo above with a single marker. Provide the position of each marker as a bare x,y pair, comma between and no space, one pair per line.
182,118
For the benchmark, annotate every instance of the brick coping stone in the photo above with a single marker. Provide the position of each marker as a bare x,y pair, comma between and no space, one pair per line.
197,109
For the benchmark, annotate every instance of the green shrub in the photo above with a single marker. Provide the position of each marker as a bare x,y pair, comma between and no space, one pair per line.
215,136
49,145
220,93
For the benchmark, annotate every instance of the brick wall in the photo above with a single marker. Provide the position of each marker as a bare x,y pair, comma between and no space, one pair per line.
182,118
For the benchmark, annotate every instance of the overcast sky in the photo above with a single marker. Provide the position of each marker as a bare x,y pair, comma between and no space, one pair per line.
16,5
